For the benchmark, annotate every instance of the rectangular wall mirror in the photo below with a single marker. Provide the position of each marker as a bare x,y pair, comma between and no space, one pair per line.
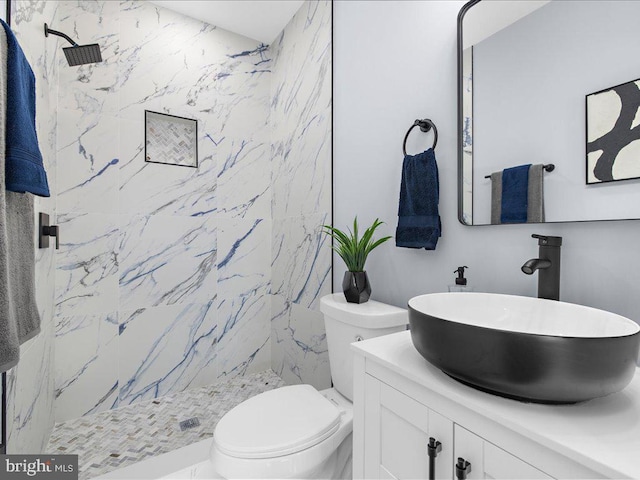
549,82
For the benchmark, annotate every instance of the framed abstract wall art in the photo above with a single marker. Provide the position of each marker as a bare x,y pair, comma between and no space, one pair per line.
613,133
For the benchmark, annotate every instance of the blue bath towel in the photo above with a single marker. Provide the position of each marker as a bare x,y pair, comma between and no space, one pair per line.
23,162
418,218
515,188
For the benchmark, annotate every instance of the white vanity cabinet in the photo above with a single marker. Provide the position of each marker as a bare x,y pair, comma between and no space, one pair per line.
401,401
398,433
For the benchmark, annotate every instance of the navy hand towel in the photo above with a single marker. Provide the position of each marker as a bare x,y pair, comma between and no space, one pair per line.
515,188
418,218
23,162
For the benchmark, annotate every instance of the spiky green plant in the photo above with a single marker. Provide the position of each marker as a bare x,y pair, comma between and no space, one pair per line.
354,250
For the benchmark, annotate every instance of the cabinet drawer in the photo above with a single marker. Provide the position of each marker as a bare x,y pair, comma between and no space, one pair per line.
489,461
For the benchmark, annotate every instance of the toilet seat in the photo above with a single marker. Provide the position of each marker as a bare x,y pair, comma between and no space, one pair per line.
277,423
294,465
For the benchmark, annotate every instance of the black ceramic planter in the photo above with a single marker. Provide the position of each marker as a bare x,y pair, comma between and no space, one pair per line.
356,287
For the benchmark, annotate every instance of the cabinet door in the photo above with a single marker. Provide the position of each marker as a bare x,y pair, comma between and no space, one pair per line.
397,434
490,462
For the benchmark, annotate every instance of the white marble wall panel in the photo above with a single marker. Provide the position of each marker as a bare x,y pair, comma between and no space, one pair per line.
299,353
153,189
86,375
139,240
301,113
166,260
30,400
87,264
89,88
301,259
184,257
244,160
166,349
244,273
168,61
300,121
30,413
88,162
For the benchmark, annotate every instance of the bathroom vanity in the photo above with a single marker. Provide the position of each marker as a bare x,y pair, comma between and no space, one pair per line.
401,401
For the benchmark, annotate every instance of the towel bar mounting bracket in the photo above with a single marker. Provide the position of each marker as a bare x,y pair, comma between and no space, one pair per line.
426,125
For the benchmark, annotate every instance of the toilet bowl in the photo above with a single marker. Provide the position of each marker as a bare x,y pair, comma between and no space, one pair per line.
298,431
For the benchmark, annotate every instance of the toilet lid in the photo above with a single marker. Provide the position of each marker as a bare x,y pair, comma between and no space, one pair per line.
276,423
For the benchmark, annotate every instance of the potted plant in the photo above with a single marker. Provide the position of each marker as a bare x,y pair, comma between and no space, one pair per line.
354,252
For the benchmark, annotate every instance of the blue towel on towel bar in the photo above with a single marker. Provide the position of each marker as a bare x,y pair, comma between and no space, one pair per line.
418,218
515,188
23,161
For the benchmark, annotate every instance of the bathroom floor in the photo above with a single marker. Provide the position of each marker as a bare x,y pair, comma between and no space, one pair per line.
110,440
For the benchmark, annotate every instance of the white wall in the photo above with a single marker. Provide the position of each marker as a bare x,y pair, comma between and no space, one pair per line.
529,103
491,16
395,62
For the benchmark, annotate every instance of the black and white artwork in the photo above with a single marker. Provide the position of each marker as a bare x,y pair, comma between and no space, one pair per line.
171,140
613,133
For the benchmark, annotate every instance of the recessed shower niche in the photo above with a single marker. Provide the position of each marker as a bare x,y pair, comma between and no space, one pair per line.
170,139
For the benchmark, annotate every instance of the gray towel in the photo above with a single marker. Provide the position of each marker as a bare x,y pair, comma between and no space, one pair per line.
535,195
19,317
496,198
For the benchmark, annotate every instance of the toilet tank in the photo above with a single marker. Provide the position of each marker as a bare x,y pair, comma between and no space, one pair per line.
346,323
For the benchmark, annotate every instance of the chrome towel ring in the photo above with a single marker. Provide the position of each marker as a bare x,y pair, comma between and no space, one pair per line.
425,125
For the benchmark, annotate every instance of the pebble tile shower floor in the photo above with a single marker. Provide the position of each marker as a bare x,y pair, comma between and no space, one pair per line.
116,438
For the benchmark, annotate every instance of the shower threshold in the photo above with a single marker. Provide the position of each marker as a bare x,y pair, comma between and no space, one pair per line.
190,462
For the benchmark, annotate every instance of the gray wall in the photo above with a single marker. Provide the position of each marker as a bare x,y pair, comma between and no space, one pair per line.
395,62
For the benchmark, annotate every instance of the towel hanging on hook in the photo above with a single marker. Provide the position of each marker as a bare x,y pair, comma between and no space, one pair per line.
425,125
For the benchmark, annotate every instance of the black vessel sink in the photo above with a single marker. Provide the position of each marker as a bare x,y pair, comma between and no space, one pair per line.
525,348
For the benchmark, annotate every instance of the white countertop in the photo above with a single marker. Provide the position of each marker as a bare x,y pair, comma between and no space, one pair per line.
602,434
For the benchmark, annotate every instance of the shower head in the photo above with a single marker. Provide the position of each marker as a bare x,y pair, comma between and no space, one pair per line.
82,54
77,54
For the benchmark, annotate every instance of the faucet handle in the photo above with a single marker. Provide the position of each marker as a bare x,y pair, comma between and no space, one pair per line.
547,240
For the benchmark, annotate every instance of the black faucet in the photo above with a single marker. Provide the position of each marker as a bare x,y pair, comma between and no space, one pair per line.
549,265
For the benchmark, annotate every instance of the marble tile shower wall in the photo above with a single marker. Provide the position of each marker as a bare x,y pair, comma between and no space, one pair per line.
301,95
163,274
30,406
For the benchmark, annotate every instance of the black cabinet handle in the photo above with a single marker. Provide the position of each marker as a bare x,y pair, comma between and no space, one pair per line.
433,449
463,468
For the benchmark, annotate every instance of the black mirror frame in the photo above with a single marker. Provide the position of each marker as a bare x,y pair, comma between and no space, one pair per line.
465,8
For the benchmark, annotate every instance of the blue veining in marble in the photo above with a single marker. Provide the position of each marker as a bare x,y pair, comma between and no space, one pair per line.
236,245
192,337
213,141
166,260
111,393
100,172
260,50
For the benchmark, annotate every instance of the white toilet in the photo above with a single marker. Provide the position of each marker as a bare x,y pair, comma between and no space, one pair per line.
297,431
